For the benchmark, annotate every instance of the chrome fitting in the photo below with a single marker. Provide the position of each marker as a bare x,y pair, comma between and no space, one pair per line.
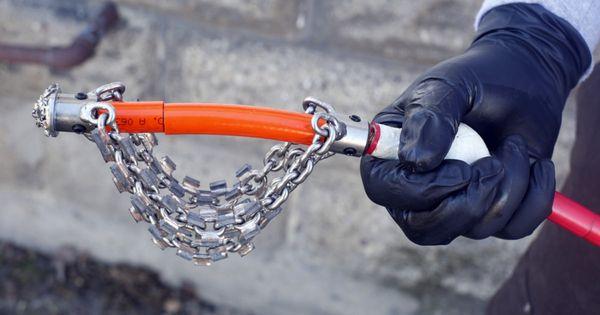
55,111
354,137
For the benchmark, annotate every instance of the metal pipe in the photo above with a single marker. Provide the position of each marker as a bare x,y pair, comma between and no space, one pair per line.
81,49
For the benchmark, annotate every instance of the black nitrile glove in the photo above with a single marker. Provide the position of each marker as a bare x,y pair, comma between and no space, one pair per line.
510,86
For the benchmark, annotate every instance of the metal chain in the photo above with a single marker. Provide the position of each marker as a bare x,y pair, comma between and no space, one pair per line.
204,225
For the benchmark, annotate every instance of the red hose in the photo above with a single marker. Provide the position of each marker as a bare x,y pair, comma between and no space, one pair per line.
576,218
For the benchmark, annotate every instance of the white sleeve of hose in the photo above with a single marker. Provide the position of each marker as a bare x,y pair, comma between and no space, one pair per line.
583,15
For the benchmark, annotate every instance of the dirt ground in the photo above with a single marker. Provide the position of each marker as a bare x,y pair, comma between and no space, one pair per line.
72,282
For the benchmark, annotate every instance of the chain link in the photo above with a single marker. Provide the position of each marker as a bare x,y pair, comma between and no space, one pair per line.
205,225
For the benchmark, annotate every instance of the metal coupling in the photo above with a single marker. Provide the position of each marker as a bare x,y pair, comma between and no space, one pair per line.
354,136
55,111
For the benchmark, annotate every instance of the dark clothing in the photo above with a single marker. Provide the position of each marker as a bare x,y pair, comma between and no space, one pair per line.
560,273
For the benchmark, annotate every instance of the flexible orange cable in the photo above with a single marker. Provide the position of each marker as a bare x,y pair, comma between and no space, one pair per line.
214,119
276,124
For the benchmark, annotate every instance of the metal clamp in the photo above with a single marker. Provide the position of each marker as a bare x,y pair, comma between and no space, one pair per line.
89,112
110,91
353,131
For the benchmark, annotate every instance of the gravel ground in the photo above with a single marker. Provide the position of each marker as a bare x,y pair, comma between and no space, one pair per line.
72,282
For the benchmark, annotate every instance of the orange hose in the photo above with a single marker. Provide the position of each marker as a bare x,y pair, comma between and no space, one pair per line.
268,123
214,119
136,117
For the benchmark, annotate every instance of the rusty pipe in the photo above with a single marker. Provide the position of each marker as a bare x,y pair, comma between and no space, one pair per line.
63,57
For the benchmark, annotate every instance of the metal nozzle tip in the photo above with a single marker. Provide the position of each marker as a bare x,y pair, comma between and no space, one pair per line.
42,111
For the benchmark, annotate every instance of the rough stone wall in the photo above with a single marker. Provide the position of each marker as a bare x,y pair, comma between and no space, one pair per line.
331,251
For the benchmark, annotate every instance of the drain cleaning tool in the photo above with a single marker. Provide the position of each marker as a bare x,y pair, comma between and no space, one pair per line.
204,225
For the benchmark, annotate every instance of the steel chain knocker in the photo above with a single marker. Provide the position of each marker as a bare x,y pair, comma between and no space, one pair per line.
203,225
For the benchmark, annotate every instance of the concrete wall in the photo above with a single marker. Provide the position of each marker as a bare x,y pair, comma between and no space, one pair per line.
331,251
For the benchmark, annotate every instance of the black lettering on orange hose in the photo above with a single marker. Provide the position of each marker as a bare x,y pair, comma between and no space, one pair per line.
124,121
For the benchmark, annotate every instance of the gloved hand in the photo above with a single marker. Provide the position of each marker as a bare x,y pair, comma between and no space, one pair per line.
510,86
